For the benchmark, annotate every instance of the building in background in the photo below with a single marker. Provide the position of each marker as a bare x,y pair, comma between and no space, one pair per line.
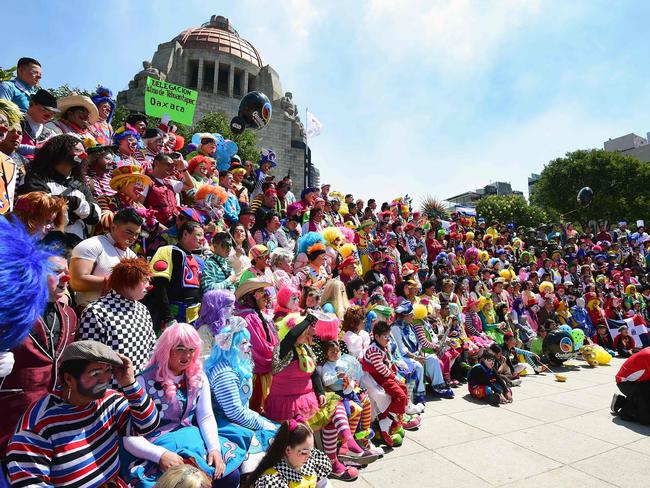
532,180
469,198
214,60
630,145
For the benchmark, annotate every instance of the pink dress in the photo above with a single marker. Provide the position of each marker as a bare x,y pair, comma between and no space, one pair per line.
291,394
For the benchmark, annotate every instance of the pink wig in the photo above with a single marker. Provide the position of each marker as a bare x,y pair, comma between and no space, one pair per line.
172,337
348,234
283,298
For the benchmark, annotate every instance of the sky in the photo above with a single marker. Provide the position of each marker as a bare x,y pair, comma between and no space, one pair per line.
422,97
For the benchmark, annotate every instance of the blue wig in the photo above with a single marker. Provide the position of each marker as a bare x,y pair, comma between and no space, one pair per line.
308,240
231,356
369,318
24,268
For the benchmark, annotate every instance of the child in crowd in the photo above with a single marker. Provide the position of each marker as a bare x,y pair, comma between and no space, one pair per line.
292,460
604,340
624,343
485,383
340,374
378,364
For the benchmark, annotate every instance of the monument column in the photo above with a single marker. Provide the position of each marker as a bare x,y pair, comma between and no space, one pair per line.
199,80
231,80
216,74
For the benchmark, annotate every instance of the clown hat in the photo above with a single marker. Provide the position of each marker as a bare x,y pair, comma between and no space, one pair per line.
128,171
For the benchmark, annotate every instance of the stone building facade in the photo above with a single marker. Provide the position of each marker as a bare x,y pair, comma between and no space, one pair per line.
214,60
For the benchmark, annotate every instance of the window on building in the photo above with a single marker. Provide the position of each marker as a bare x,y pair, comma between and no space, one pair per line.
193,73
222,82
238,89
252,83
208,76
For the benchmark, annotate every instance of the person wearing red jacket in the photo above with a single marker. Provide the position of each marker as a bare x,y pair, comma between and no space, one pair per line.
633,379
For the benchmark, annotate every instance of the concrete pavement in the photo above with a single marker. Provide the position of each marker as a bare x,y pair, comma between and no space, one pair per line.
553,435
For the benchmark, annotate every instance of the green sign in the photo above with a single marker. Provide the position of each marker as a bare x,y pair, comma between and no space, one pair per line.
162,98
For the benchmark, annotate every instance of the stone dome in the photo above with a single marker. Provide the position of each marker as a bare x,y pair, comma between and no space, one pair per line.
219,35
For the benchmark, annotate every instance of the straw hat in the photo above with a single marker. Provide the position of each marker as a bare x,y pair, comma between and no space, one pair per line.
249,286
66,103
128,171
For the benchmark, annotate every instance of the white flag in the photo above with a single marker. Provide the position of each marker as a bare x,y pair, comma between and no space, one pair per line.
314,126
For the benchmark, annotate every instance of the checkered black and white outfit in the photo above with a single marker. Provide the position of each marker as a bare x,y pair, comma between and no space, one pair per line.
123,325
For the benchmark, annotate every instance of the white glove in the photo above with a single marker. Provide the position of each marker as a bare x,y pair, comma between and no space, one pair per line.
165,119
6,363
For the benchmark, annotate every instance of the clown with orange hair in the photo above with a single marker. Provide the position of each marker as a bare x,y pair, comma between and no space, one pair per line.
314,274
208,201
199,167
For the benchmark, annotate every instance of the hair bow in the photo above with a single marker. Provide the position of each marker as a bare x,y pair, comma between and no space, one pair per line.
224,339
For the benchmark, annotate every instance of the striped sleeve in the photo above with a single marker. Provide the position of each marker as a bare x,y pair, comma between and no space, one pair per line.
469,325
223,383
29,454
375,357
139,416
422,337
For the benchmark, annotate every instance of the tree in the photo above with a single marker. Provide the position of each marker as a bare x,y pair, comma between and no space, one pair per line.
620,184
7,74
218,122
66,90
511,209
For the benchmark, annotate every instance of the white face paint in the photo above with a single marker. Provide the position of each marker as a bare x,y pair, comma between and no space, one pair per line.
228,311
294,303
245,350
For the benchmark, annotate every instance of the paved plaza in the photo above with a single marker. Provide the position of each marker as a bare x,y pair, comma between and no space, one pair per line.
553,435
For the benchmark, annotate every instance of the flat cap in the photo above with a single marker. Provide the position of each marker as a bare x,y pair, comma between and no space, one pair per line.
90,351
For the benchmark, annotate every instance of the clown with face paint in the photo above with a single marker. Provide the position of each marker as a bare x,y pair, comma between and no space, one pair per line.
230,371
34,370
200,168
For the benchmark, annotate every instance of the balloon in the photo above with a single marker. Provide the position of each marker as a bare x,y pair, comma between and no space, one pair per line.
578,337
558,347
536,346
565,328
225,151
589,355
585,196
254,112
602,356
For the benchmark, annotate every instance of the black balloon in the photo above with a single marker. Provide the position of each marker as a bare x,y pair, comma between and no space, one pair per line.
254,112
558,347
585,196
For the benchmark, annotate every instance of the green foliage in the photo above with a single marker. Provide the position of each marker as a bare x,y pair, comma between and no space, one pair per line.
433,207
67,90
213,122
511,209
218,122
7,74
620,184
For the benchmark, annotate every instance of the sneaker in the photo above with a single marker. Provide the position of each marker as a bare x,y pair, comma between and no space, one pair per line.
342,473
421,399
516,382
384,431
443,393
364,434
363,458
420,407
412,409
413,423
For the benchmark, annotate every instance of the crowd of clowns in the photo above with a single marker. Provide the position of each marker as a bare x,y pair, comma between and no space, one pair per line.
197,322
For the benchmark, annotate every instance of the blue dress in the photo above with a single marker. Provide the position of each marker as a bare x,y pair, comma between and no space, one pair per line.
230,396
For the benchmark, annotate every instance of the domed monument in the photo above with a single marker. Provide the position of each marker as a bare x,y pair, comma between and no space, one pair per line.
214,60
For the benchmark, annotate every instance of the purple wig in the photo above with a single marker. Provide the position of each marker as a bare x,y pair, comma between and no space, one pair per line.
214,309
